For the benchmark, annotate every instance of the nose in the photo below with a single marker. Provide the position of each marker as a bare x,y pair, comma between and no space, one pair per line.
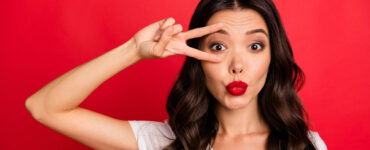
237,64
237,68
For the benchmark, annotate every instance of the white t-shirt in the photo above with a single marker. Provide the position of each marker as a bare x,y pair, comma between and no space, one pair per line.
153,135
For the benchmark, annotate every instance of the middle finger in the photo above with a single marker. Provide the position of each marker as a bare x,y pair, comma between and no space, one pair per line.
199,32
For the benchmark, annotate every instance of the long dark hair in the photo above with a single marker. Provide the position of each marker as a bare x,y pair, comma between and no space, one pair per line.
190,104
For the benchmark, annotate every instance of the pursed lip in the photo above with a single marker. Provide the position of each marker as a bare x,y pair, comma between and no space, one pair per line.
237,87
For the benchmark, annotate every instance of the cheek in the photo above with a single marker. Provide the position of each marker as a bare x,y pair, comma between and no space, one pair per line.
214,76
259,71
211,72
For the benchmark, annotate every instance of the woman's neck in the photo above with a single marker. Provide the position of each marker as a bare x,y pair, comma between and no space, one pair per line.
242,121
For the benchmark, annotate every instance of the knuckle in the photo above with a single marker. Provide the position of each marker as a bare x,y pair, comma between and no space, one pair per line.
165,35
168,31
163,27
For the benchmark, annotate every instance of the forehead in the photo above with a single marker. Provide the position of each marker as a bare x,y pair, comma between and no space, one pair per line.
238,21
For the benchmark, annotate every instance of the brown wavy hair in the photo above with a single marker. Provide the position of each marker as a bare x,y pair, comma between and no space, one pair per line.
190,105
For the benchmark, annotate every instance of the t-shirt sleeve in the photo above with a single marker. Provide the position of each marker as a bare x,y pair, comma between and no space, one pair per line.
317,141
152,135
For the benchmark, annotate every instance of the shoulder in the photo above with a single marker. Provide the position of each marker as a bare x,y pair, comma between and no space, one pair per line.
317,140
152,134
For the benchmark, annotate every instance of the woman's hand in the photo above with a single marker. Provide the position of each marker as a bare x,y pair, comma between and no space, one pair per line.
162,39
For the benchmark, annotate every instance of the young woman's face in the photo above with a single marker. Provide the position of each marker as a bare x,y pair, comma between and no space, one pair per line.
244,47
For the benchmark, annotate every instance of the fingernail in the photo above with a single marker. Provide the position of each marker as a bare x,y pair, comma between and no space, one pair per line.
172,20
179,26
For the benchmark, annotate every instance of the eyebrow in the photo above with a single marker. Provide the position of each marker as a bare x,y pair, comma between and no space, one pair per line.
247,33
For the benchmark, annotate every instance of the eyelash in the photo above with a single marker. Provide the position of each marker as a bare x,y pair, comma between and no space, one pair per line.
212,44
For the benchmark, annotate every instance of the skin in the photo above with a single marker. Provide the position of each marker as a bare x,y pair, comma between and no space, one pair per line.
56,105
243,58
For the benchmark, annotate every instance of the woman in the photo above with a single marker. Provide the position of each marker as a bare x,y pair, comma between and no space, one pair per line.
236,90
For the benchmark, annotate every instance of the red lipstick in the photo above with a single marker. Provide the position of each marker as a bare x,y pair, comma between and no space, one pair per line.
237,88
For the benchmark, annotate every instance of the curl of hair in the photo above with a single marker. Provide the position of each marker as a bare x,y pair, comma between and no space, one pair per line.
190,104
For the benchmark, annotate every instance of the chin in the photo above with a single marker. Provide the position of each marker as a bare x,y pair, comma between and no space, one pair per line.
233,103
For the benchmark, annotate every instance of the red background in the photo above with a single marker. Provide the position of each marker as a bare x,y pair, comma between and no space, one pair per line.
41,39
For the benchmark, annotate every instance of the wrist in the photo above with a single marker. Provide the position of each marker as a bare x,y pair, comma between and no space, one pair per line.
131,48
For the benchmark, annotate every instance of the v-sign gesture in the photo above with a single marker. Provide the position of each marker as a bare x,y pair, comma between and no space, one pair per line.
56,105
162,39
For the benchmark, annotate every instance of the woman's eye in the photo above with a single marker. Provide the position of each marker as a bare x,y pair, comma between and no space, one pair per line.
217,46
256,46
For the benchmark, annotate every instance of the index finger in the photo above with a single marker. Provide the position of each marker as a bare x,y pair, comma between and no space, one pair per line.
201,55
199,32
